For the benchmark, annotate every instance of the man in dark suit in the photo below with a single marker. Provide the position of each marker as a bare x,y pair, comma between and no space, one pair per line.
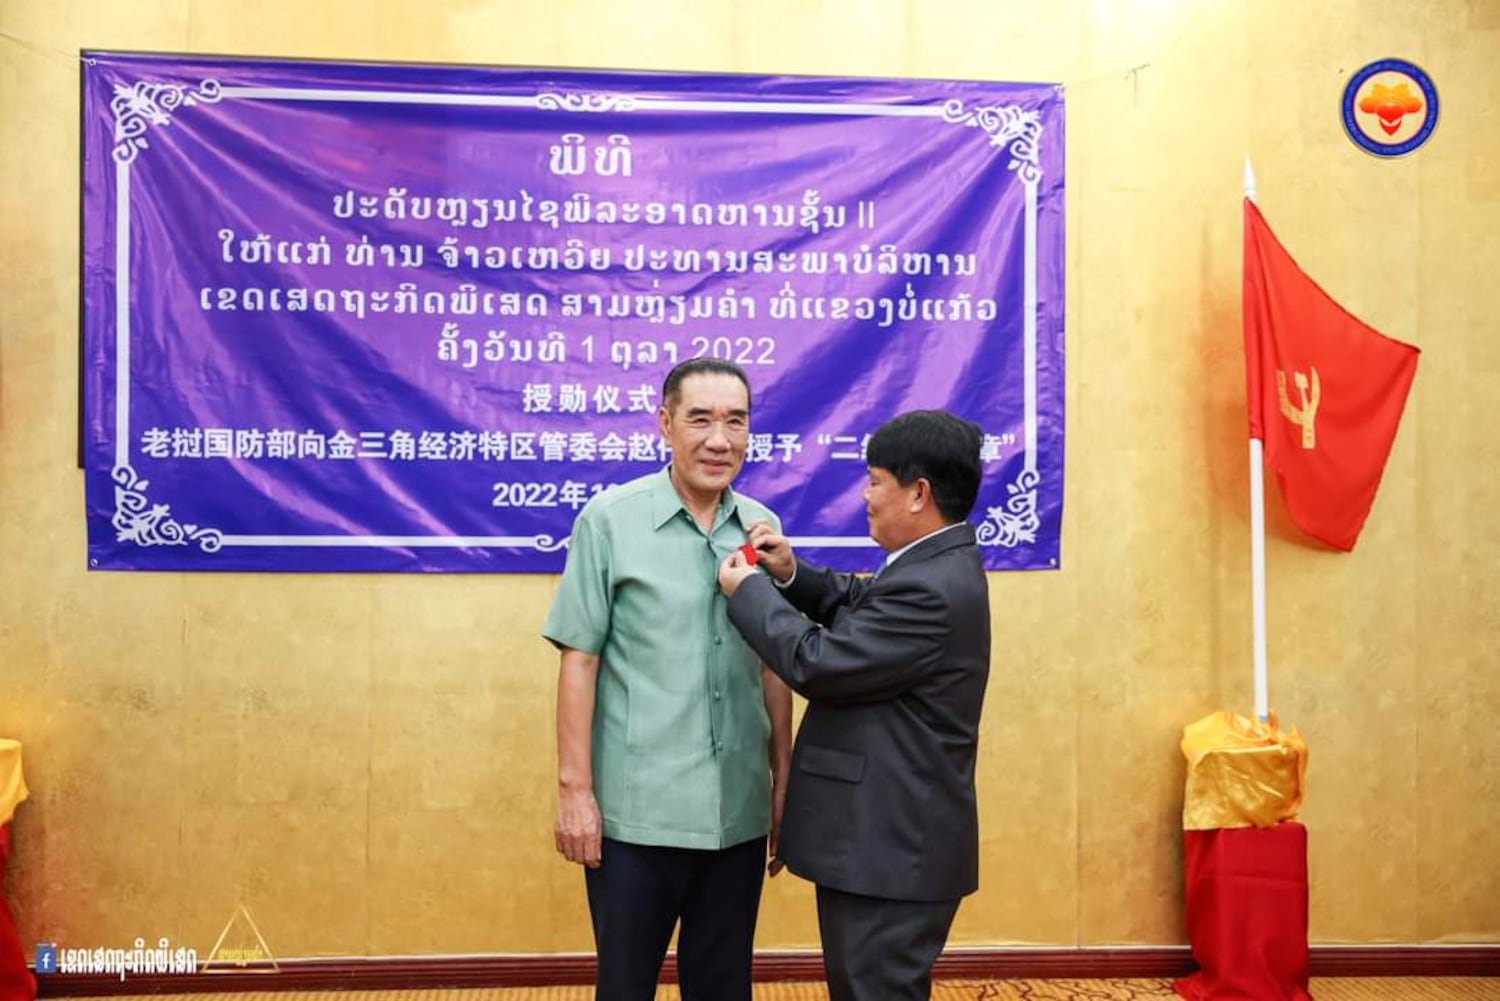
880,810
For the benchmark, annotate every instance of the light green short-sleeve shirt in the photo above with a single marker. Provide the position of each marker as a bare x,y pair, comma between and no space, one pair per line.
680,733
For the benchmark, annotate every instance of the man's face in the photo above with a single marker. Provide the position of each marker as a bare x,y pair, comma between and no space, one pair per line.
888,505
708,430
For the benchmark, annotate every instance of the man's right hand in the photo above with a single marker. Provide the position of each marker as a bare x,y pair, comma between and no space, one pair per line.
775,551
578,827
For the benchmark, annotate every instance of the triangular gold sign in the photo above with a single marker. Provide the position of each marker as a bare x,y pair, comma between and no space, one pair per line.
235,955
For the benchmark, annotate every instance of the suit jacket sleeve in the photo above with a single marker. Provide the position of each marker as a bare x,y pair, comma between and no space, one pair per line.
819,593
869,653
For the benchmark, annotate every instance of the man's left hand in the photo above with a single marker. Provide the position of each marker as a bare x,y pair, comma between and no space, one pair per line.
778,807
732,573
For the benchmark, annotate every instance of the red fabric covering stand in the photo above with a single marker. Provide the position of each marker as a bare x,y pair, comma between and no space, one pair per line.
1247,913
16,982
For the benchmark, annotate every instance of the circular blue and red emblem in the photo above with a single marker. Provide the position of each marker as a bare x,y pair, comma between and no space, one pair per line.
1390,108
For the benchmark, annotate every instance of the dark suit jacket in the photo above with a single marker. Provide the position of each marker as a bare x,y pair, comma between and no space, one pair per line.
881,798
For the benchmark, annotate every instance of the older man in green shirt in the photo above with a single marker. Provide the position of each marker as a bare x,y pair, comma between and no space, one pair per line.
673,741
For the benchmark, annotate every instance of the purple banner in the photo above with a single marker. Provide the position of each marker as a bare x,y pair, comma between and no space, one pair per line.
349,316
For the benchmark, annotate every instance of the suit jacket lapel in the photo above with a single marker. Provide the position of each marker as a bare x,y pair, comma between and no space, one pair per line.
963,535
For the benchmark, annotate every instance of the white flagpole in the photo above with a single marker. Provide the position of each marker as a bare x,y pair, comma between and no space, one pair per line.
1258,539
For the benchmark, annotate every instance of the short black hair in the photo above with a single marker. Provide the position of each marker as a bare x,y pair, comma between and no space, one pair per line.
672,387
936,446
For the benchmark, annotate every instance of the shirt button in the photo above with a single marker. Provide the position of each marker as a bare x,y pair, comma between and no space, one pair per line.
718,696
718,640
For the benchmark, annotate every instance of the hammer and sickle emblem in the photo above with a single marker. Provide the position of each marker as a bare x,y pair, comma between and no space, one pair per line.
1306,415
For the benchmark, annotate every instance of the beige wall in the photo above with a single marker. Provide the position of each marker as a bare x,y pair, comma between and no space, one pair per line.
367,760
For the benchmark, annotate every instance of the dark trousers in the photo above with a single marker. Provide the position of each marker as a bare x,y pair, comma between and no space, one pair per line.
881,950
640,892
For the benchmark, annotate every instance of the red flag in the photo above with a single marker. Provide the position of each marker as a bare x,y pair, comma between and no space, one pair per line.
1325,390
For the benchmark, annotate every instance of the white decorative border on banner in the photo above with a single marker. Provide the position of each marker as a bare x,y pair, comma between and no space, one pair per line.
146,104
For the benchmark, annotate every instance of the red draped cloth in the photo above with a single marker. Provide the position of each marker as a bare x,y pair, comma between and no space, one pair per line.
1247,913
16,982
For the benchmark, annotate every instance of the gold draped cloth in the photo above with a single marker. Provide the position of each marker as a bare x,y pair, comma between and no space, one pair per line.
12,785
1241,772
